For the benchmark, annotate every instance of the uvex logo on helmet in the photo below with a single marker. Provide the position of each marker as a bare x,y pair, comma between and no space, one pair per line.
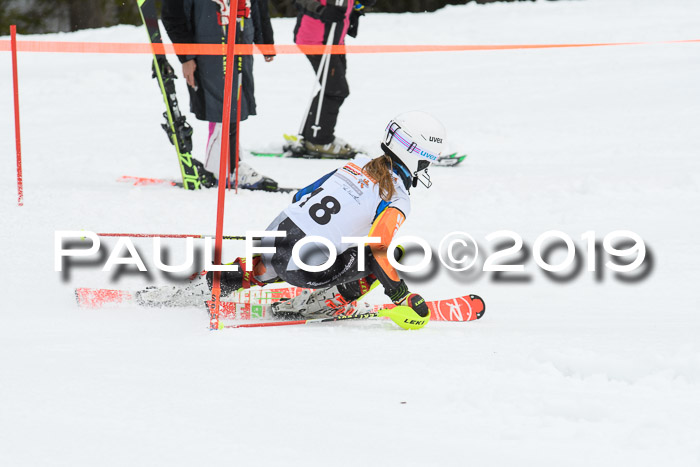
435,139
427,155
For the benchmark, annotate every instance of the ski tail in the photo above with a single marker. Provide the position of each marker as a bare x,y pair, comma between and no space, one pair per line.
97,298
146,181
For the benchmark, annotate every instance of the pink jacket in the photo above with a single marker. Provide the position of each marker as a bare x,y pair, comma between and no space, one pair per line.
311,31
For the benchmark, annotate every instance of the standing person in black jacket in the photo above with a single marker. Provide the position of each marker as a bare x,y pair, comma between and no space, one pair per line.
313,27
205,22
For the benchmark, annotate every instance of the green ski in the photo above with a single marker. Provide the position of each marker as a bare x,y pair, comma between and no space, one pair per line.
194,175
294,149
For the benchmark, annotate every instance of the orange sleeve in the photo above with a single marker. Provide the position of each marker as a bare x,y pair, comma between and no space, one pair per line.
385,227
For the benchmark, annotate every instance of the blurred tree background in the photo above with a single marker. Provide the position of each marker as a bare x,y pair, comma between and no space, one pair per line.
286,7
42,16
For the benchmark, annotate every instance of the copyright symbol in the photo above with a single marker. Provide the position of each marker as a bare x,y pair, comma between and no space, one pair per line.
461,251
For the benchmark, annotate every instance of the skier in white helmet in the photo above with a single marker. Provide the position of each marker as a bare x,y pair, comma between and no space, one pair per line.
364,198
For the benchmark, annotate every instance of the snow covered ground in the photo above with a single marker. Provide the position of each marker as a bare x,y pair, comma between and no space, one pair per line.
585,372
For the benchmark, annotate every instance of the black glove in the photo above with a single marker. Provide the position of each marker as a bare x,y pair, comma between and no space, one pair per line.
416,302
369,3
331,14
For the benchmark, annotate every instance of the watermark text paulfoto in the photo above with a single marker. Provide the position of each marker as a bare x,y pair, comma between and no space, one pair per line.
458,252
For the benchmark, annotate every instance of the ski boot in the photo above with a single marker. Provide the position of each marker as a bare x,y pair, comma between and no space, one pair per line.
338,149
331,301
321,303
235,281
249,179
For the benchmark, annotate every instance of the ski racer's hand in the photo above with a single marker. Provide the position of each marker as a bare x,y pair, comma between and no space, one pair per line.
188,72
416,302
331,14
269,58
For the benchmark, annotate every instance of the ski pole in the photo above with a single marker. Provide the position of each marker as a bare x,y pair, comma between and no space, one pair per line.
15,87
315,87
403,316
239,94
322,92
147,235
322,69
239,102
302,321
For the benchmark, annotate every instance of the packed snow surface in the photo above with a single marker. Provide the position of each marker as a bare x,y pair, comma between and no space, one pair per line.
589,371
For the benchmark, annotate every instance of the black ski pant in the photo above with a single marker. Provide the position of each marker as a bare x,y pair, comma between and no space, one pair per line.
344,272
335,93
232,147
345,268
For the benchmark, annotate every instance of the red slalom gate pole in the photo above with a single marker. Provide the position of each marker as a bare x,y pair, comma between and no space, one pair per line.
239,87
147,235
215,304
228,168
15,84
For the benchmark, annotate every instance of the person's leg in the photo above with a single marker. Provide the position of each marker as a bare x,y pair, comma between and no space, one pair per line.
247,177
263,271
335,93
312,254
326,299
307,133
213,157
248,98
335,288
337,90
213,153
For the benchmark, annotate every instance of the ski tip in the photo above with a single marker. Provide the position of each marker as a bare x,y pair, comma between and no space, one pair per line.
478,305
268,154
450,160
455,156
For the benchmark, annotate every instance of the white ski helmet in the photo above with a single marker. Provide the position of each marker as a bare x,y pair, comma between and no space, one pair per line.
416,139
